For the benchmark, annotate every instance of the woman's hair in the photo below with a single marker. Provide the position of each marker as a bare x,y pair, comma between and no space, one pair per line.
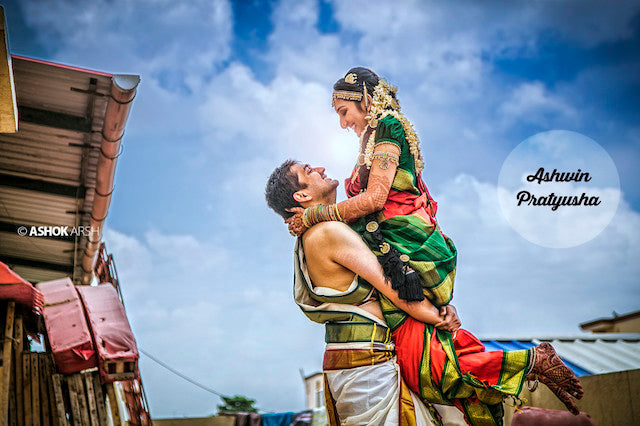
353,81
352,85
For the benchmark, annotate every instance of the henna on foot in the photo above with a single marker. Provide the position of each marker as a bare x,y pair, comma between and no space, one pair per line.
550,370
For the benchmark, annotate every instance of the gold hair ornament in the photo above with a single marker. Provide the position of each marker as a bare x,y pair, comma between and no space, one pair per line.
346,95
384,104
351,78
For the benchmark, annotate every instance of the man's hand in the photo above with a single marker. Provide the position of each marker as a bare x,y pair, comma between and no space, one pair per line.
296,227
450,321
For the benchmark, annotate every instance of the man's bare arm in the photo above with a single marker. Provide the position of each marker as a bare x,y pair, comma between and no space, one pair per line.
347,249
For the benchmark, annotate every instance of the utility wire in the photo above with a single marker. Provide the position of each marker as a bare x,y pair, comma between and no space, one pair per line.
188,379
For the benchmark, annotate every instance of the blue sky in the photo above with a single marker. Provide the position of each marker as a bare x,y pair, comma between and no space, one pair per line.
230,90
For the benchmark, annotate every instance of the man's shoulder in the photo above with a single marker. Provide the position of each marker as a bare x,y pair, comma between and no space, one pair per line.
327,231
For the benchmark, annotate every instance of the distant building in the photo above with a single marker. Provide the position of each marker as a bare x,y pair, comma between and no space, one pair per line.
627,323
314,391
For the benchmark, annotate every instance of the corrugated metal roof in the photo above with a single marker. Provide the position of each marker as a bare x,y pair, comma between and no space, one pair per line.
586,354
48,168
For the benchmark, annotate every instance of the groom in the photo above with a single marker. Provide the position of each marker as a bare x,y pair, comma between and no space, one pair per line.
362,380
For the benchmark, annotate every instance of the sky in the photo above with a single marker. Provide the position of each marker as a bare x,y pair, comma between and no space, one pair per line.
229,90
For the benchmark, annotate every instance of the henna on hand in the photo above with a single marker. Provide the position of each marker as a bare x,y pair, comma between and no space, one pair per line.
378,185
296,226
367,202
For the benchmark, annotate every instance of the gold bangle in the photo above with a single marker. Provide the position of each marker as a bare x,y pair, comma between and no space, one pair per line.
305,219
335,206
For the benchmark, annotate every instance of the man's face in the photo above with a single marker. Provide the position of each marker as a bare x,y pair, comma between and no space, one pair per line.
321,188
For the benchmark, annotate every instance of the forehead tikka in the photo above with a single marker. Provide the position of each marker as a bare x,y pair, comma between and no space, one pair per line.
346,95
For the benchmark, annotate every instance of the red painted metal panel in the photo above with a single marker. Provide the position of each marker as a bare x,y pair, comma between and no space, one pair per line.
57,65
67,328
14,287
112,335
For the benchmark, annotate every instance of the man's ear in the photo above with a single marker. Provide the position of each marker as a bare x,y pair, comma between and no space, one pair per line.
302,196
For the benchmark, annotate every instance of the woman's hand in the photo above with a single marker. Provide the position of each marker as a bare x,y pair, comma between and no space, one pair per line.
450,320
296,227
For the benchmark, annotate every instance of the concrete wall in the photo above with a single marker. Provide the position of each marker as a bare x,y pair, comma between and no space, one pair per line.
611,399
200,421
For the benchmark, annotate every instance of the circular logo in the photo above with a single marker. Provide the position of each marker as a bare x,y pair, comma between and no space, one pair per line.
559,189
22,230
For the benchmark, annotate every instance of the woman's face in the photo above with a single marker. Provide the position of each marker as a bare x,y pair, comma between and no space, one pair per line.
351,115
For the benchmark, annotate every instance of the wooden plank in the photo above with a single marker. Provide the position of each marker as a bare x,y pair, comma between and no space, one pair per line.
26,385
113,404
61,412
45,415
35,390
18,335
76,418
52,399
100,398
82,400
5,378
12,393
91,400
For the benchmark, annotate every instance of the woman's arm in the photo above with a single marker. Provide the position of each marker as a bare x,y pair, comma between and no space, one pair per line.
347,249
383,171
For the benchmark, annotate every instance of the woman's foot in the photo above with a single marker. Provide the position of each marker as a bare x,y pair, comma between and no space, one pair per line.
550,370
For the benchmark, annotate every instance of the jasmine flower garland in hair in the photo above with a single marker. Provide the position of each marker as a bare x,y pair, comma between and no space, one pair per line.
382,105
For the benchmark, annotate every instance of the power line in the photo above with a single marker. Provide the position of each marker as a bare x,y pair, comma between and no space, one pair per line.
174,371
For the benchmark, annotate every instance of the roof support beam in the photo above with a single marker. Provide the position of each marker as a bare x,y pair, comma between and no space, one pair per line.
54,119
19,261
42,186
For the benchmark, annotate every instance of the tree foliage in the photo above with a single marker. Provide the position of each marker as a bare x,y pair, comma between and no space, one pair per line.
236,404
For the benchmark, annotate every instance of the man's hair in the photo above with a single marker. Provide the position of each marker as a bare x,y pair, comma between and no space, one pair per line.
281,186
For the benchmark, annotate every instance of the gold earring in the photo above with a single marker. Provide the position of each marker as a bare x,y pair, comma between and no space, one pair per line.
364,94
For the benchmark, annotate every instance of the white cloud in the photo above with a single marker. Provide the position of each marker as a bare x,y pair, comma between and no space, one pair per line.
170,42
532,103
268,123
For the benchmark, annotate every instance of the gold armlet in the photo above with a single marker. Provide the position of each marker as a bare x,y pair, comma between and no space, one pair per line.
386,158
395,145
